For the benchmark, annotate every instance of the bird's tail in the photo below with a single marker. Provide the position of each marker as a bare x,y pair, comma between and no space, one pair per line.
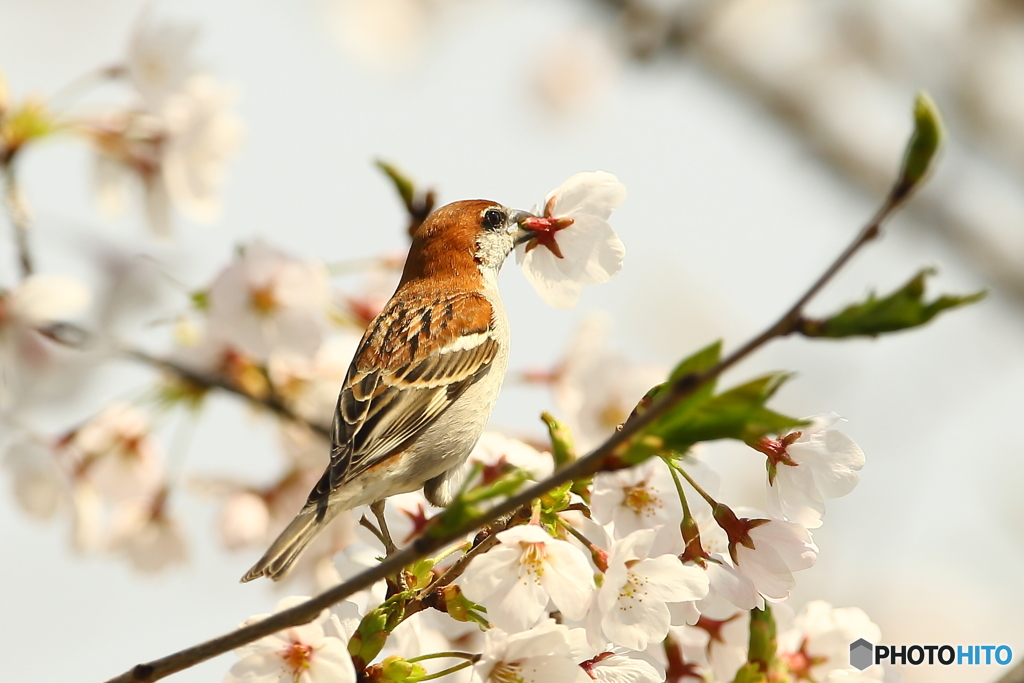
279,558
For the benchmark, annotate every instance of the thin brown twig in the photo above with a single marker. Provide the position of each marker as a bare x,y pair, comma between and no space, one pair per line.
19,216
271,402
434,539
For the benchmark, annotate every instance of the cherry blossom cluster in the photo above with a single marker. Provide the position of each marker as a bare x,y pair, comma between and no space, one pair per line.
632,577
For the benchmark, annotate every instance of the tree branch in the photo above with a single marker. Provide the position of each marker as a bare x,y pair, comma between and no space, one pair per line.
271,402
433,538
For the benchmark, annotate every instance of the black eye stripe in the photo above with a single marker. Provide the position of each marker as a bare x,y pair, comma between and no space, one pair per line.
493,219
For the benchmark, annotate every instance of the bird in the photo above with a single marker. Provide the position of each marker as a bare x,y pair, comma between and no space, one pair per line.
424,378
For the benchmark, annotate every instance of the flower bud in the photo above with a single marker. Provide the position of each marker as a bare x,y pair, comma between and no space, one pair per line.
394,669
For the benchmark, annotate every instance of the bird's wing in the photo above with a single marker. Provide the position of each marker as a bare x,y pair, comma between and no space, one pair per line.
415,360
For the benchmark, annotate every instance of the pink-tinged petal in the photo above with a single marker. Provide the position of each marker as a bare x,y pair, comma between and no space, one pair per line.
766,569
621,669
732,585
792,541
633,625
595,193
259,667
670,580
544,639
843,458
636,546
568,579
551,284
331,663
593,252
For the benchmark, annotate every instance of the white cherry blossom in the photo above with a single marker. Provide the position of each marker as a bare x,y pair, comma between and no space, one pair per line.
816,646
202,134
516,579
117,452
631,606
244,520
147,535
640,497
780,548
35,302
595,387
574,245
299,654
609,667
267,301
38,484
495,448
539,655
820,463
159,58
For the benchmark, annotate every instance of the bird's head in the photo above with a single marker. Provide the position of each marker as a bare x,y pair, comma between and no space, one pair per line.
466,239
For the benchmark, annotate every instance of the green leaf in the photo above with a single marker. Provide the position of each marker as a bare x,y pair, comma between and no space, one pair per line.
923,146
903,309
403,184
702,360
698,362
563,448
739,413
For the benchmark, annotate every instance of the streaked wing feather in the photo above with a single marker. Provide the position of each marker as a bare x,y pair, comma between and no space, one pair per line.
395,389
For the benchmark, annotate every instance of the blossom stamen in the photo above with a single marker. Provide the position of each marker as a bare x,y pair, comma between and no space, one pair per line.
297,656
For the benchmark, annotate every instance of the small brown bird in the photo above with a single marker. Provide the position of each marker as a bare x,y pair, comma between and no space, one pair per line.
424,379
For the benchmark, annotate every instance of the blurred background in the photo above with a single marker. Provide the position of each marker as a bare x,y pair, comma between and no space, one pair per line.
754,136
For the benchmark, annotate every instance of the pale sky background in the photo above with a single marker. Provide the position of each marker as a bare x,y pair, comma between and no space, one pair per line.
727,219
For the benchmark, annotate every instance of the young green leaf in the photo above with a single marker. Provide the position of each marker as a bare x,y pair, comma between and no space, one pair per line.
403,184
900,310
923,146
739,413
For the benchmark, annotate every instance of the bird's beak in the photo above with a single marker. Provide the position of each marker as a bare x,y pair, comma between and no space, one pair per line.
523,234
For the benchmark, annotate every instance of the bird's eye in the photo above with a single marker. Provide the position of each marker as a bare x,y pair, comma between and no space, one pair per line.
493,219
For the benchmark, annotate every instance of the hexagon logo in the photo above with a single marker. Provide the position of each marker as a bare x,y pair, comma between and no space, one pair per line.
861,654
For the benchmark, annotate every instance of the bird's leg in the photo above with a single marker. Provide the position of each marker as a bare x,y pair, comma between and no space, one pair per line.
377,508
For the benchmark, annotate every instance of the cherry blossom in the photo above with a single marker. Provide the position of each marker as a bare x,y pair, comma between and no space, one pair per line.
611,663
817,643
595,387
720,644
780,548
147,535
117,453
808,466
495,449
516,579
35,302
37,482
159,58
539,655
316,652
202,135
310,385
631,606
267,301
609,667
574,245
244,520
636,498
